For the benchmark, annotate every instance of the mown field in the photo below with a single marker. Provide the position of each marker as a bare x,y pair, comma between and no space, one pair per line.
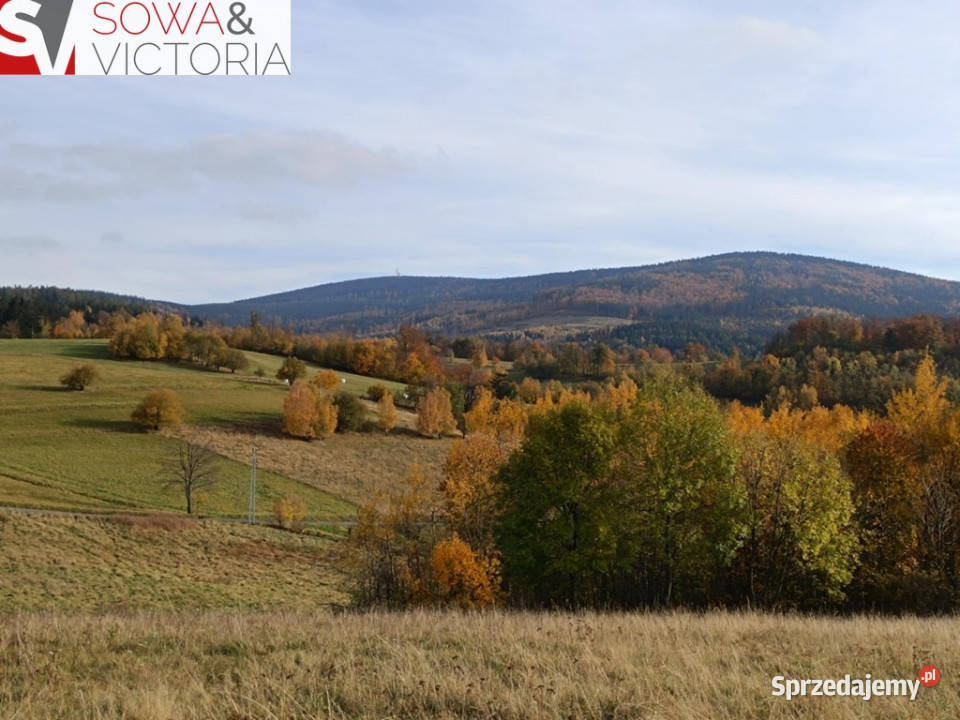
233,665
161,562
79,451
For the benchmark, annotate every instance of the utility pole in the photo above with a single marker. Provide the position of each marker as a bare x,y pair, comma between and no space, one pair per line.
253,487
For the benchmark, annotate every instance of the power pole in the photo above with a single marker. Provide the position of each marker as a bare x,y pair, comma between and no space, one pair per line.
252,519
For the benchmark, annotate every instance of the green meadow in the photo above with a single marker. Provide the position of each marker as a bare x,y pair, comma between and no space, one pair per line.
79,450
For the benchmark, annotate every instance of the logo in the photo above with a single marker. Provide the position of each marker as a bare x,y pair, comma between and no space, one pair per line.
929,676
109,37
866,688
31,37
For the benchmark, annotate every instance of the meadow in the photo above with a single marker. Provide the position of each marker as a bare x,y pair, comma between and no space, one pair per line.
233,665
50,563
79,450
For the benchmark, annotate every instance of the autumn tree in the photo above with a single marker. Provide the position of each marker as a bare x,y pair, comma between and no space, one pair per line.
377,391
193,469
469,490
386,413
889,508
799,547
461,577
300,413
435,414
160,408
389,553
326,380
74,325
80,378
921,412
292,369
327,417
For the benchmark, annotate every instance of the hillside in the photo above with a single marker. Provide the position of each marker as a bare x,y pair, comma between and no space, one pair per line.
725,300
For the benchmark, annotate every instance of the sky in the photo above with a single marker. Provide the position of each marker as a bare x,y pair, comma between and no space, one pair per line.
500,138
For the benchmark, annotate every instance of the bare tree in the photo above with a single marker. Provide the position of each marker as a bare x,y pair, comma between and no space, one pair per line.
194,469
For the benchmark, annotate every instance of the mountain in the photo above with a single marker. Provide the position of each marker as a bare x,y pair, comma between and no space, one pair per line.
725,300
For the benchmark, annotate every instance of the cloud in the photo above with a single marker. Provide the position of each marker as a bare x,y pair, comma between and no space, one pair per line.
112,239
26,245
111,169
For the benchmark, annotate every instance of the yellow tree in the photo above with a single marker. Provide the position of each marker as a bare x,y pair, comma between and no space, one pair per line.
161,408
478,417
435,414
463,578
922,411
326,380
300,416
327,417
386,413
468,487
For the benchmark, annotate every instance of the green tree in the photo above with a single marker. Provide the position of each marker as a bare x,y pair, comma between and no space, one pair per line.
559,513
677,463
234,360
800,547
292,369
350,411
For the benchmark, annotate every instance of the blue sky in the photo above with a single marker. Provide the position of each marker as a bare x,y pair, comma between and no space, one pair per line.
498,138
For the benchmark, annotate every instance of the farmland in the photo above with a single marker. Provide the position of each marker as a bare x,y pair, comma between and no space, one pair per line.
79,451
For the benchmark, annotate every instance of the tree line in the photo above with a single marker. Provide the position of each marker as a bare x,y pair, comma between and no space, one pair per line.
657,496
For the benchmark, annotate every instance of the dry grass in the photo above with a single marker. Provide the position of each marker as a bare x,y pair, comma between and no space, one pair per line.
237,666
52,563
354,467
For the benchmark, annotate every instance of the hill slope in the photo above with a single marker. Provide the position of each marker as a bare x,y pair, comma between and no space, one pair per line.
725,300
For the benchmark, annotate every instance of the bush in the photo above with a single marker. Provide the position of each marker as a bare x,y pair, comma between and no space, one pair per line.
350,411
289,513
80,378
161,408
376,392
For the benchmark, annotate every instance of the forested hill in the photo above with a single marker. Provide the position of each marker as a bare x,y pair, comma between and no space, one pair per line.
736,299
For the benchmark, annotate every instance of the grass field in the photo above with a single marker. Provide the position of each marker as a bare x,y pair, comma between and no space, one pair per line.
66,450
160,562
235,665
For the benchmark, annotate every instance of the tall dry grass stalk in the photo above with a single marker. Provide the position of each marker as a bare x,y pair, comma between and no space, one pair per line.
443,665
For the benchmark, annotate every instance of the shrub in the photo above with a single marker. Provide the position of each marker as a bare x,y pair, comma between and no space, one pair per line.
289,513
161,408
80,378
377,392
350,411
